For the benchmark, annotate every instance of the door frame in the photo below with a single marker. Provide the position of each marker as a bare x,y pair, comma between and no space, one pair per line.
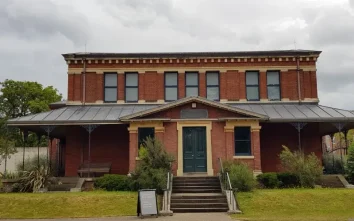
208,128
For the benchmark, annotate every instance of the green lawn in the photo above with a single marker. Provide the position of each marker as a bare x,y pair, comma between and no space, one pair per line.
64,205
284,204
297,204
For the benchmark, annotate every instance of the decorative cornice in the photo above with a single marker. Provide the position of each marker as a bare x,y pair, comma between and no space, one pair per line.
184,69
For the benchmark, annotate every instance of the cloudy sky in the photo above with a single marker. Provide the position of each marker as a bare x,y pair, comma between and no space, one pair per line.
34,34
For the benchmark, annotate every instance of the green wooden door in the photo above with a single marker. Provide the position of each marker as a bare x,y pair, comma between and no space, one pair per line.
194,149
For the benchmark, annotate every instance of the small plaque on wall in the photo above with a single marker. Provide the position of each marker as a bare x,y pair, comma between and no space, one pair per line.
194,114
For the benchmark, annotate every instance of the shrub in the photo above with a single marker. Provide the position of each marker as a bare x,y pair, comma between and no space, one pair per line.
113,182
333,164
350,164
288,180
307,168
268,180
241,177
35,179
151,170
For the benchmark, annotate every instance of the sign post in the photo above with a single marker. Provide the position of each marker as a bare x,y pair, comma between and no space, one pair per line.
147,203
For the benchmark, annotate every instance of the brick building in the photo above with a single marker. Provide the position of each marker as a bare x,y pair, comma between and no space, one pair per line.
201,105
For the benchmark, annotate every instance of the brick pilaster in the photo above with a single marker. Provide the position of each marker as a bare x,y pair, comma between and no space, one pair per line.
202,84
133,148
256,149
263,85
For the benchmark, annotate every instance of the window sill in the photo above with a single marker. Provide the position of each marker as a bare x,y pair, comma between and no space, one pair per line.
243,157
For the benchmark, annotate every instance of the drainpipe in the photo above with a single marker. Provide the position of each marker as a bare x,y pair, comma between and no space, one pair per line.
84,82
298,78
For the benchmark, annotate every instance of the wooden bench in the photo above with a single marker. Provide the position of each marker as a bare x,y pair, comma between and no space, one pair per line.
95,169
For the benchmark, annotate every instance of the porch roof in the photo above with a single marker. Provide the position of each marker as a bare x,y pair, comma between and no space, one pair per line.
117,113
299,112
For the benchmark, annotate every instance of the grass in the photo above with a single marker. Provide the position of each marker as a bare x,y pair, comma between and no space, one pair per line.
297,204
66,205
282,204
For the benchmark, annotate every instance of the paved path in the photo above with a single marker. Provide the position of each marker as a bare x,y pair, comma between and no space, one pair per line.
175,217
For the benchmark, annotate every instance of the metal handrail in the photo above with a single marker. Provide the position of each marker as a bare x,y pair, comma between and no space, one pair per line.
168,192
227,187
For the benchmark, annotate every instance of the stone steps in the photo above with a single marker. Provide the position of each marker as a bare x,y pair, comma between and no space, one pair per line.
331,181
197,194
65,184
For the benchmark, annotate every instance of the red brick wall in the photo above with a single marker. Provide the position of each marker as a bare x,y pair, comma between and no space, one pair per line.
121,89
175,113
218,144
232,82
263,85
273,136
171,142
202,84
109,143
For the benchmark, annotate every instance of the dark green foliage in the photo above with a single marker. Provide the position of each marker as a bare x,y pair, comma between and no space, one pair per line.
241,177
151,171
113,182
350,164
268,180
21,98
333,163
288,180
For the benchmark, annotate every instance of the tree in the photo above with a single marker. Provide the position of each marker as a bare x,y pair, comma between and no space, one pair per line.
20,98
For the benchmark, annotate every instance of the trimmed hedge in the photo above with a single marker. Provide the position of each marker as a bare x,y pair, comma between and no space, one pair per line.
288,180
113,182
268,180
278,180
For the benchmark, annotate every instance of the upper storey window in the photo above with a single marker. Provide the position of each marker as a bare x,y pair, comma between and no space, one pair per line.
252,85
171,86
212,83
273,85
110,87
131,87
192,85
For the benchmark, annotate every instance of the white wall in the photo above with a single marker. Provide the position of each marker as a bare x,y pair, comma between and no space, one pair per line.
16,158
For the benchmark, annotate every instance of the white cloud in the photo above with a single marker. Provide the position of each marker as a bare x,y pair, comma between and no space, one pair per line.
34,34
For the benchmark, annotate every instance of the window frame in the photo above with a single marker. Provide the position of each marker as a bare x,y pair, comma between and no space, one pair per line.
140,128
169,86
125,87
249,141
104,86
274,85
191,86
252,85
212,86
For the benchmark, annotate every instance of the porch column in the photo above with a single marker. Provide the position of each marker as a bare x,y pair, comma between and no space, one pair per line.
256,148
133,147
229,143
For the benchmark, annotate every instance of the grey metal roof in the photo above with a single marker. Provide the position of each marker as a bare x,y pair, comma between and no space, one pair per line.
96,114
82,114
299,112
192,54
